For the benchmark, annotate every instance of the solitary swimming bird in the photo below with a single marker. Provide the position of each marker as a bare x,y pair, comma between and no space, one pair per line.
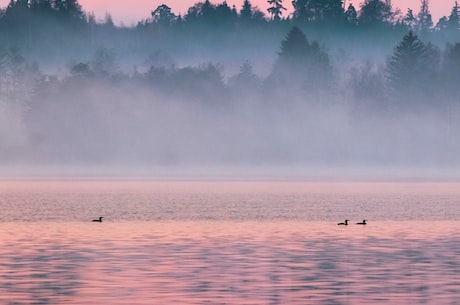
343,223
362,223
98,220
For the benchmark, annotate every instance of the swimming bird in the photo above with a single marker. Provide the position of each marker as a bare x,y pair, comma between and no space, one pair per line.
98,220
343,223
362,223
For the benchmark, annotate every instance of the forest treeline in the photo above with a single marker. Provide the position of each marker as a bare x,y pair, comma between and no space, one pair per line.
363,85
52,29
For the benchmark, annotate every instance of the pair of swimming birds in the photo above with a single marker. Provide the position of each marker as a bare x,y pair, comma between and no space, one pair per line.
340,223
345,223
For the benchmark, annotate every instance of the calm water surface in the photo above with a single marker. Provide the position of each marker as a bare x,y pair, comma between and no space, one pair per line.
228,243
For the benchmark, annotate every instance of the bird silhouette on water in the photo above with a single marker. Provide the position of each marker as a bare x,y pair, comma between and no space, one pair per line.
343,223
362,223
98,220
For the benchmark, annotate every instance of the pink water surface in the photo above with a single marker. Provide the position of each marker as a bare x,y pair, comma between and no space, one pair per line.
228,243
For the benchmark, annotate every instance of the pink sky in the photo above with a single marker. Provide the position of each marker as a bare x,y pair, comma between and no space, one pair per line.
131,11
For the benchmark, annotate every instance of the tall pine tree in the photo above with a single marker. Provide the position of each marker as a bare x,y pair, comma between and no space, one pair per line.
276,9
425,22
411,69
454,18
301,63
375,13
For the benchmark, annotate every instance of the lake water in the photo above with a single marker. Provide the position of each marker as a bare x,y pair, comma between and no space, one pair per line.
228,243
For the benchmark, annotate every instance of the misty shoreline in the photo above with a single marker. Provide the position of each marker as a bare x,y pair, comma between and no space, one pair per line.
221,92
235,173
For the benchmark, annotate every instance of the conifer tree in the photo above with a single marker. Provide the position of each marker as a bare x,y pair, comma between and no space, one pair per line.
425,22
351,16
375,13
329,11
69,8
41,6
454,18
332,11
17,10
246,81
246,11
411,67
201,14
409,20
207,9
301,62
405,61
224,14
300,14
276,9
443,24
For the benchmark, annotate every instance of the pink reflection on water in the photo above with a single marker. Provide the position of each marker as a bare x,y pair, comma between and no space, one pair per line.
210,262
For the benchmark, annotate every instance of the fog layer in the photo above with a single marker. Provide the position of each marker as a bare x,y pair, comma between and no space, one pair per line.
296,102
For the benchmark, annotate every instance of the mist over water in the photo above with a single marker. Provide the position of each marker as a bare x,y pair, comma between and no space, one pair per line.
129,128
119,125
250,96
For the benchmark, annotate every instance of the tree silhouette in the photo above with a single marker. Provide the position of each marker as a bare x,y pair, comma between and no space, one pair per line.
16,11
301,14
301,63
207,13
332,11
409,20
405,63
454,18
246,81
294,48
351,16
246,12
17,22
69,8
42,7
225,15
411,68
204,83
375,13
162,15
202,13
443,24
425,22
327,11
276,9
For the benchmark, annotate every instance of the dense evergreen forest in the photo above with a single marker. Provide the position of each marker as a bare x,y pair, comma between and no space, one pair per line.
325,86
